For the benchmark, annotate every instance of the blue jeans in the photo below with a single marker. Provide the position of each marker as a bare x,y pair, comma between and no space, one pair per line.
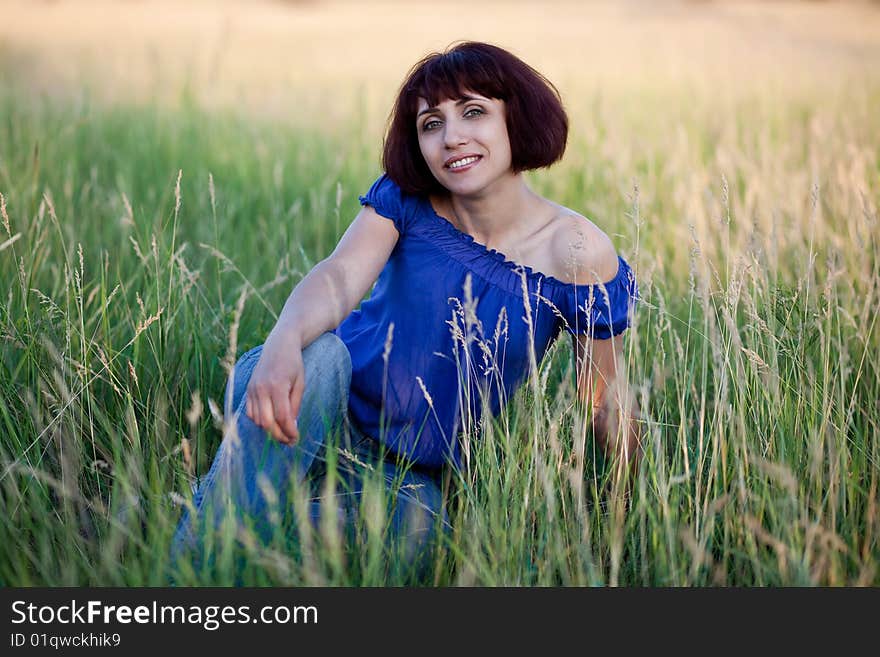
251,472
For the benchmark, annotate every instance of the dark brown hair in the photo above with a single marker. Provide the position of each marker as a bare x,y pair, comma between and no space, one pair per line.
536,121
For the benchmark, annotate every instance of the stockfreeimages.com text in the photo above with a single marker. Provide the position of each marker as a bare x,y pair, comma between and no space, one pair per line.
211,617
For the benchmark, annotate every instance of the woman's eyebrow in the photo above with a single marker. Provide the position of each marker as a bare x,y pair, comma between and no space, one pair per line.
461,101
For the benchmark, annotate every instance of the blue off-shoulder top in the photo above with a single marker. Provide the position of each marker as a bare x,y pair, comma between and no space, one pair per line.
445,333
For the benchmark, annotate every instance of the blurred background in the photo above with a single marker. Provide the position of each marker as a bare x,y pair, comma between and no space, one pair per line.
289,58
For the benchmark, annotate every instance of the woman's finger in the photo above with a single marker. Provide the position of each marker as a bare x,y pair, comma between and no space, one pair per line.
254,401
294,401
277,434
296,395
283,417
264,406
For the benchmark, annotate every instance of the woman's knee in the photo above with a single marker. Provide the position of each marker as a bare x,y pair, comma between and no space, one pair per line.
327,360
237,383
327,364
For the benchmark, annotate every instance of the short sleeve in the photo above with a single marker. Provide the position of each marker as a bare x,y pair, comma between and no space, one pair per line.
602,311
387,199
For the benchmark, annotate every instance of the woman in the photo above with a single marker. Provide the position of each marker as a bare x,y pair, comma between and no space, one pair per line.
475,276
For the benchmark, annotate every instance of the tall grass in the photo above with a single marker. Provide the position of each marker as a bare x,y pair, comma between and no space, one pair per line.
145,248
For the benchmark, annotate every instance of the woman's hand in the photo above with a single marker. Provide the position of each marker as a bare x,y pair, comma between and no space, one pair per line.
615,411
275,391
319,303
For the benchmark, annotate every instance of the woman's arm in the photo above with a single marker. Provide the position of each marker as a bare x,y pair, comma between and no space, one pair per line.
606,396
335,286
587,257
319,303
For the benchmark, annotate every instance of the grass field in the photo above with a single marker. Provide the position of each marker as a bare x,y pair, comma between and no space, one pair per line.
168,175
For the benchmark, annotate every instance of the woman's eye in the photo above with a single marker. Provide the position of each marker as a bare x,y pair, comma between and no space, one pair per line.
430,125
473,111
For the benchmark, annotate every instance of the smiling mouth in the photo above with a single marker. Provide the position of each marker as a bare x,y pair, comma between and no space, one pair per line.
463,163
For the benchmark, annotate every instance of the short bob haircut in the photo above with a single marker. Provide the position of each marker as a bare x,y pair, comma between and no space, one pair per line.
536,121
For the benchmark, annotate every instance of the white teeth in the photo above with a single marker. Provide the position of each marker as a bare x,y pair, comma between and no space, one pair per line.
461,163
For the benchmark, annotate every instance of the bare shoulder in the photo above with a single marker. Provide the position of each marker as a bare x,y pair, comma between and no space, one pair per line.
583,254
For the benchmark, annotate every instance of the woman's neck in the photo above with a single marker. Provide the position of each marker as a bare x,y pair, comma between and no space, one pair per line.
497,215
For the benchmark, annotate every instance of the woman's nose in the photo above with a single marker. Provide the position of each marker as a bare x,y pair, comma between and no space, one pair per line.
454,134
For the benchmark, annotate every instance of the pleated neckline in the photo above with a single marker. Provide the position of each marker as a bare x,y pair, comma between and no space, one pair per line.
468,242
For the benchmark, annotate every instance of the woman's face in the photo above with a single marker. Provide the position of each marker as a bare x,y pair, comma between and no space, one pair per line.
465,142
